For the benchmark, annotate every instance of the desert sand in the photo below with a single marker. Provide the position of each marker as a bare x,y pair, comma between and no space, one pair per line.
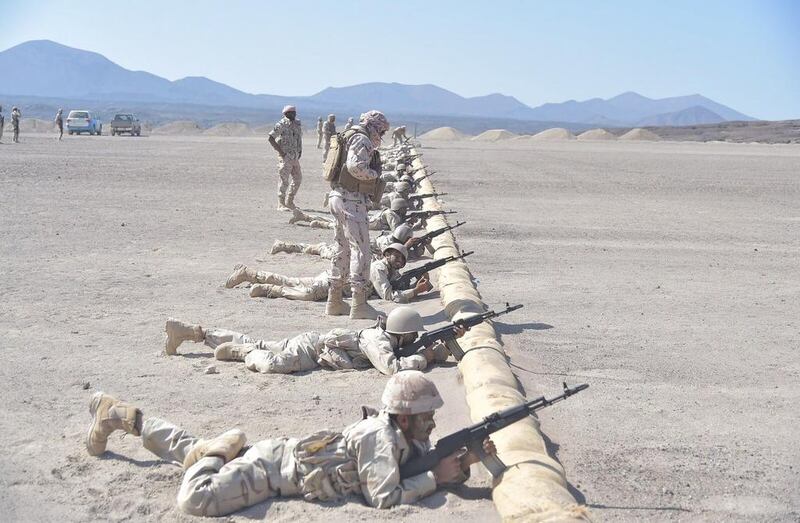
639,134
229,129
551,135
494,135
596,134
445,134
665,275
179,128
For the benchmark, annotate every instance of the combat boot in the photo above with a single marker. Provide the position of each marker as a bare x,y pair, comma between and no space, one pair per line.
226,446
279,246
282,203
336,305
178,332
109,414
239,275
359,308
230,351
266,290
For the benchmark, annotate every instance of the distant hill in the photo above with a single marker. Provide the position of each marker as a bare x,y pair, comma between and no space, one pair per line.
46,69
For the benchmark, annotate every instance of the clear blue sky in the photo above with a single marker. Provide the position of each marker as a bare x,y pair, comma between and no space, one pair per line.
745,54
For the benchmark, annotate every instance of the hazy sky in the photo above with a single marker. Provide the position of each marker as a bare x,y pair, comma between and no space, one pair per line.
745,54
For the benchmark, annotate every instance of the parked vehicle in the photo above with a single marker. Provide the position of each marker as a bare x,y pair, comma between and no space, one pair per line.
126,123
83,122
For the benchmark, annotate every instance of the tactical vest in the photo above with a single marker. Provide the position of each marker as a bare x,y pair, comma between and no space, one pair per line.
336,172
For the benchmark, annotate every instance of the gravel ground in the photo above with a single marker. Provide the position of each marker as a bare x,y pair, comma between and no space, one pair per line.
665,275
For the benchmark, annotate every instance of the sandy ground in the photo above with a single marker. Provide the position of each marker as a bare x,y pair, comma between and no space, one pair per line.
665,275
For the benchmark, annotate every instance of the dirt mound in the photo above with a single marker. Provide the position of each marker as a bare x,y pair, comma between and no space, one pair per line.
179,128
444,134
264,129
229,129
552,135
639,134
494,135
596,134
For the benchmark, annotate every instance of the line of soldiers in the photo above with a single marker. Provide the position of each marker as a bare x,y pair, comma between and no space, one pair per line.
224,474
16,116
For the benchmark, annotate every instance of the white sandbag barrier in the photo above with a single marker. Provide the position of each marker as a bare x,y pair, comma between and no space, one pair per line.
534,487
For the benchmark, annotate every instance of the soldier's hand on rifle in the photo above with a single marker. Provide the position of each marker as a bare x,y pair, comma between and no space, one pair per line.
470,458
448,470
423,285
411,242
460,330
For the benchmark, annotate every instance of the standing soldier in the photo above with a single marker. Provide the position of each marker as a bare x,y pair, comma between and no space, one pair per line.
350,198
319,133
399,135
60,123
328,130
2,123
349,124
287,139
15,117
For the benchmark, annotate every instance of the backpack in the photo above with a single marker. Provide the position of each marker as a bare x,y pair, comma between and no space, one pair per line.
337,154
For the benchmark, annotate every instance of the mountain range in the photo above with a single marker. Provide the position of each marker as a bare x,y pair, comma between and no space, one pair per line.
46,69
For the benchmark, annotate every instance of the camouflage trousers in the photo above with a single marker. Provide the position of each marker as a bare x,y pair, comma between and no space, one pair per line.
290,177
212,487
319,140
314,288
327,146
336,349
352,240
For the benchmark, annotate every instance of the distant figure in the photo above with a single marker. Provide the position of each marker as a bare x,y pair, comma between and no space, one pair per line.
16,115
287,139
328,130
399,135
319,133
349,124
60,123
2,123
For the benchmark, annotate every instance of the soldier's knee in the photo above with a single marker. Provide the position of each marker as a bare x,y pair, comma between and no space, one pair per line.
199,500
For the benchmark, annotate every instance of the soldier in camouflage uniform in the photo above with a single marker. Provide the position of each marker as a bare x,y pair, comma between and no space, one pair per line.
382,271
350,198
287,140
399,135
2,123
401,234
319,133
222,475
328,130
349,124
16,116
59,121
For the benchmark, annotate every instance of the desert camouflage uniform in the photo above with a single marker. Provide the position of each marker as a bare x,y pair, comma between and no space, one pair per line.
349,124
2,122
327,250
15,118
59,120
338,349
352,221
289,136
328,130
364,459
386,199
315,288
385,220
319,133
399,134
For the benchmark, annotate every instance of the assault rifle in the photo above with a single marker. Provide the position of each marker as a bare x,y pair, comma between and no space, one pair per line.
420,197
424,215
416,181
472,437
447,334
409,278
412,171
421,241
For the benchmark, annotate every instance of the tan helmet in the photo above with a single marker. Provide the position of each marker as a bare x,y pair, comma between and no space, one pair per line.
410,392
402,187
399,247
399,204
400,167
404,320
407,178
402,232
